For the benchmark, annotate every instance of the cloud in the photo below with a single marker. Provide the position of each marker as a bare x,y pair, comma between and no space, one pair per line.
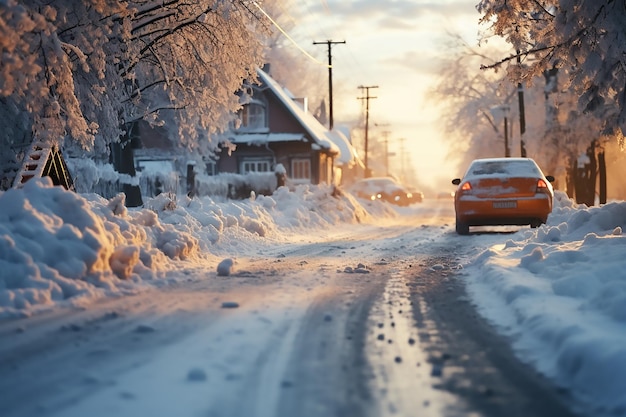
398,14
417,61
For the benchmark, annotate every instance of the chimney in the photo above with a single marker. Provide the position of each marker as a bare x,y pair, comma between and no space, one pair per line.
304,102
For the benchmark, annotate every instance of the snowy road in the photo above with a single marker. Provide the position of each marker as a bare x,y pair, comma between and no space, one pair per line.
301,329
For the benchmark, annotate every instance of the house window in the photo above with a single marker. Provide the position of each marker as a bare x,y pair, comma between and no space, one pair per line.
255,165
301,170
252,115
211,167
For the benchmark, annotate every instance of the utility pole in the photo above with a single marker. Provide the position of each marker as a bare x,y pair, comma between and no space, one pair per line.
367,118
507,151
403,175
386,139
385,134
330,79
522,112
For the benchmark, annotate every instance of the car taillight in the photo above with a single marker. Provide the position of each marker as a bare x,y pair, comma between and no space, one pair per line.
464,188
542,186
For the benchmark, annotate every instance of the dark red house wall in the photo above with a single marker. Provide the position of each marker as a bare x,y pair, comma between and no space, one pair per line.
227,163
230,163
280,120
285,152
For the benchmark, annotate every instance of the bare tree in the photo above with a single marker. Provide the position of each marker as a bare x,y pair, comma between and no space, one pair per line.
468,97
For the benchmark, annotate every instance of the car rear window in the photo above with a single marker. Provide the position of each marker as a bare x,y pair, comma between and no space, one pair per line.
503,168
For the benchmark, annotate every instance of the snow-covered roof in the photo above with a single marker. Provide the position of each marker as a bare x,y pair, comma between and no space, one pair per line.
347,152
314,128
263,138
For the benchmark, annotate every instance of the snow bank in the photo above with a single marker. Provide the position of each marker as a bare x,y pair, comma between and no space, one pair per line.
59,248
560,292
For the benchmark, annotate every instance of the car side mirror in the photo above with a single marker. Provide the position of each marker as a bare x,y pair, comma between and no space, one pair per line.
550,178
456,181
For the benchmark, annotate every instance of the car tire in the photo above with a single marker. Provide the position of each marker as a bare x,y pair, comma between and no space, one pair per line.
462,228
536,223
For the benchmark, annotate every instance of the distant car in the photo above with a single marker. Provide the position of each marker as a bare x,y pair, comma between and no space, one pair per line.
502,191
382,188
417,197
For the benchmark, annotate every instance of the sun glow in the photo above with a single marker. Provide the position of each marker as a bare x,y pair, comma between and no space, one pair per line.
398,47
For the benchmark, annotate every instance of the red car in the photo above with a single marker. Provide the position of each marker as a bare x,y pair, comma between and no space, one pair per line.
382,188
502,191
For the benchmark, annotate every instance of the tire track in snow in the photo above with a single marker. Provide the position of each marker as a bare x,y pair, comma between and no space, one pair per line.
403,379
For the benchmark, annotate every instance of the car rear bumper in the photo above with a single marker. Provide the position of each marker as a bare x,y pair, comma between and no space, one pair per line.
475,212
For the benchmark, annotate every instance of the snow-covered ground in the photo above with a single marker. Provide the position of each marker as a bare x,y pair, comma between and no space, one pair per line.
60,249
558,291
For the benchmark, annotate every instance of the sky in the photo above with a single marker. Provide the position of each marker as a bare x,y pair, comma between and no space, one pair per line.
558,291
397,46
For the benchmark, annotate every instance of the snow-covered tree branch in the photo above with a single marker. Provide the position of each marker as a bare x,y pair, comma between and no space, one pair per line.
83,69
586,38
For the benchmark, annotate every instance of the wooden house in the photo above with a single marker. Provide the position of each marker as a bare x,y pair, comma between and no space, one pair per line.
278,129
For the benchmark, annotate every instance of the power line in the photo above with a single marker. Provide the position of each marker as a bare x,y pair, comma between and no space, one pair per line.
287,35
319,30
